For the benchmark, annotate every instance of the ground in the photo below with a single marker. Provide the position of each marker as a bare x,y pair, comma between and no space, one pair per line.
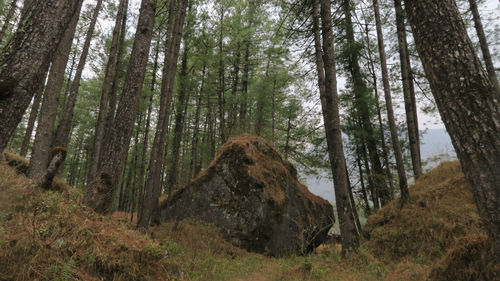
51,236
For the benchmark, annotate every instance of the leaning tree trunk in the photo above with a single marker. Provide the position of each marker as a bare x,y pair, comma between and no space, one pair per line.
105,93
100,193
153,182
408,92
64,128
484,44
467,100
48,112
403,183
26,59
325,63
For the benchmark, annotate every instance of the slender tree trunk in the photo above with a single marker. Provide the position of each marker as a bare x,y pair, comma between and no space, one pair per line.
99,194
153,181
362,182
65,124
221,85
8,18
385,150
48,112
234,91
403,183
244,88
146,132
194,151
468,101
410,107
484,44
26,59
329,100
113,95
31,121
181,109
105,93
362,97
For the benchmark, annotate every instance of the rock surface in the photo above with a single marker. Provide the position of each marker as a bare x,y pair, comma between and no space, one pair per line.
253,196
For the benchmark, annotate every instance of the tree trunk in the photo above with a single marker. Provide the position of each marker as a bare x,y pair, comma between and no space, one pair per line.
40,155
467,100
403,183
99,194
362,97
153,181
6,23
221,82
31,121
408,92
325,62
26,59
194,151
64,128
58,155
105,93
484,44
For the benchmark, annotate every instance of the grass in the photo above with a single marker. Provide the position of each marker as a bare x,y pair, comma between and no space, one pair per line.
52,236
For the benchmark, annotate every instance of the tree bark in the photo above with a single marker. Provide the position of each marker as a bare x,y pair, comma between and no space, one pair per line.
31,122
105,93
408,91
330,106
58,155
6,23
40,155
484,45
27,58
403,183
153,181
99,194
63,131
221,81
467,100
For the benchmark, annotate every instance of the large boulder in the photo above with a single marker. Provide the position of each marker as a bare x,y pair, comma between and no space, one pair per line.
253,196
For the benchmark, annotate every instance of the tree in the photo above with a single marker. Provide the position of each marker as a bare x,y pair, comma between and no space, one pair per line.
46,122
403,183
325,62
467,100
153,182
99,195
25,59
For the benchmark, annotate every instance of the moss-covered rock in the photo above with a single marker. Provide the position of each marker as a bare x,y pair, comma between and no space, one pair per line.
252,194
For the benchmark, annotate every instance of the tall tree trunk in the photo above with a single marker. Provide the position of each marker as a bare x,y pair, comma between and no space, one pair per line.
153,181
468,101
31,121
48,112
181,109
64,128
26,59
99,194
403,183
194,150
105,93
221,82
8,18
362,97
408,92
244,88
145,142
484,44
325,62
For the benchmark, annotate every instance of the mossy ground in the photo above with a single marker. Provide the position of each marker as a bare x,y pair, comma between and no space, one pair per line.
52,236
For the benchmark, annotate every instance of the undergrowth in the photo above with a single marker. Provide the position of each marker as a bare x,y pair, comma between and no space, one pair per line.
52,236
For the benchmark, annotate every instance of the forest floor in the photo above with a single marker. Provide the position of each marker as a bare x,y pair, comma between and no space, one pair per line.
52,236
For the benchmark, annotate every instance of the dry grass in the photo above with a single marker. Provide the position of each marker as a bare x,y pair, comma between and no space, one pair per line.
51,236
